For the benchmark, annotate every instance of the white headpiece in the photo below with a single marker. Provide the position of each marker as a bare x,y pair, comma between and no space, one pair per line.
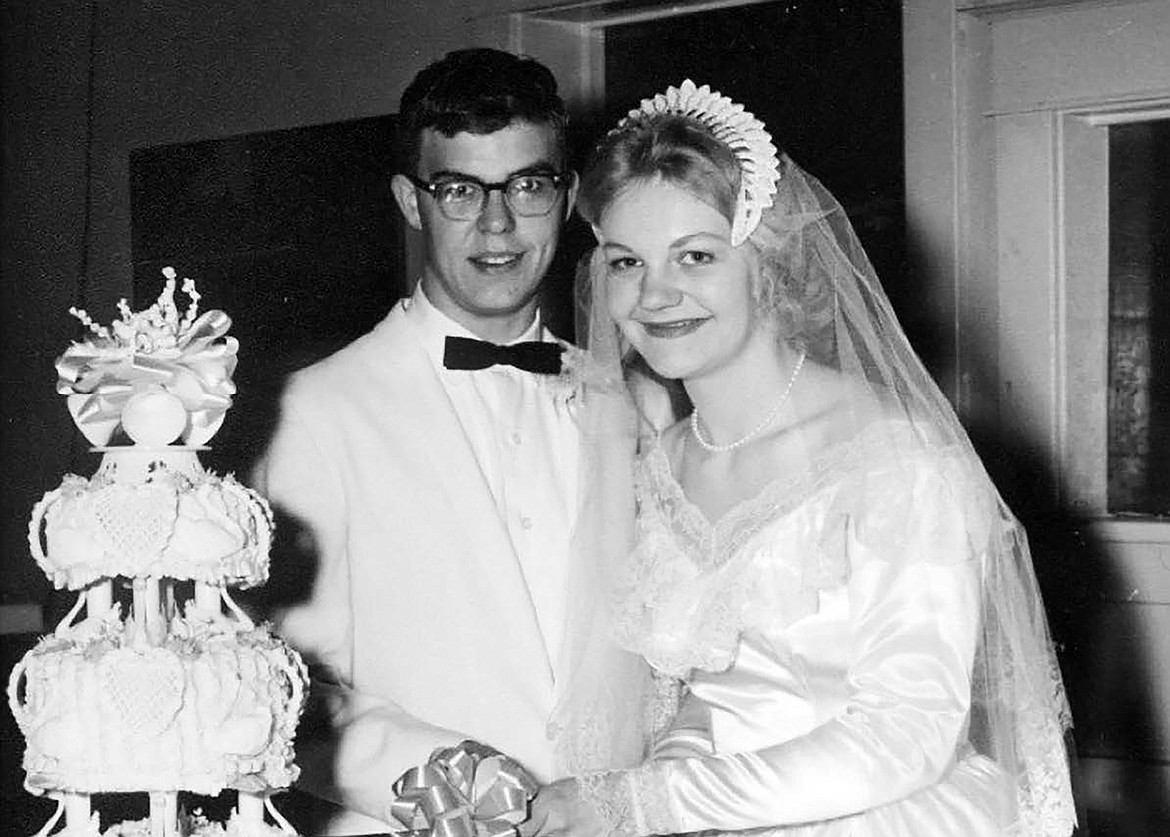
738,130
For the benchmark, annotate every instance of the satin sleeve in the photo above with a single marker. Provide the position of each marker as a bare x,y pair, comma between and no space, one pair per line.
914,597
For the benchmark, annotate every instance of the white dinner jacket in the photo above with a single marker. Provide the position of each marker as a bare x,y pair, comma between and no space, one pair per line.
418,601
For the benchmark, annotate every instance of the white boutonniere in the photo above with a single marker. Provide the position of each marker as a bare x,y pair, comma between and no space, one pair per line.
570,383
583,378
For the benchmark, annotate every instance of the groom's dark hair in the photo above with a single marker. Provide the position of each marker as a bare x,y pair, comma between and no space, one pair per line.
479,91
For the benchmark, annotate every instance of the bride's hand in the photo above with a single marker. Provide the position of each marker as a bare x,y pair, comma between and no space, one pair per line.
559,811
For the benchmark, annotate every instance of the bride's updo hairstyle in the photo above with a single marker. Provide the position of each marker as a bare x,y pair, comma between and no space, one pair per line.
679,150
671,148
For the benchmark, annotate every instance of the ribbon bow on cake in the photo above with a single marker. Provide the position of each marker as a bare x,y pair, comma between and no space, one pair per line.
469,790
187,356
99,379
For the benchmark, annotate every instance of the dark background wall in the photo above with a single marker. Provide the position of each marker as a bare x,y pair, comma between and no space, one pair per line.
85,85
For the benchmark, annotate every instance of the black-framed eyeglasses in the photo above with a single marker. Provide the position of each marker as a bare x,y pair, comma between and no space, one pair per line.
464,198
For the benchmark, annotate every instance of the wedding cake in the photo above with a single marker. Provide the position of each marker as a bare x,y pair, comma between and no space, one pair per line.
156,682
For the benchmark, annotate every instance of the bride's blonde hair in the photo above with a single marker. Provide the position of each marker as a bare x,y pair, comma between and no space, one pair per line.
667,147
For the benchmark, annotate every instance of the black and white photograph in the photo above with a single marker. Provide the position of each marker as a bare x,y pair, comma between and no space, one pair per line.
585,418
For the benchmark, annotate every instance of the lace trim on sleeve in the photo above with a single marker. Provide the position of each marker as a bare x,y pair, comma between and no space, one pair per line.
664,705
632,803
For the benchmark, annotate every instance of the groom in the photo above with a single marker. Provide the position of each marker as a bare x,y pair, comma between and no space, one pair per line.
436,485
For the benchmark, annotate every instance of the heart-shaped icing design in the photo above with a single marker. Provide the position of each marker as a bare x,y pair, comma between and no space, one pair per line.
143,689
138,521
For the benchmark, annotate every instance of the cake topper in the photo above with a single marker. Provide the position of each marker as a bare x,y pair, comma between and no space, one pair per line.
158,375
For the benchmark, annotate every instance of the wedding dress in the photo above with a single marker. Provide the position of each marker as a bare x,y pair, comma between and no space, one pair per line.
821,684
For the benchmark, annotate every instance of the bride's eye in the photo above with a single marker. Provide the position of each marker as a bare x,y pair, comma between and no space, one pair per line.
696,257
622,264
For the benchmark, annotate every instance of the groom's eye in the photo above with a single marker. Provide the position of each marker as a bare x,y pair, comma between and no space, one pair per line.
457,191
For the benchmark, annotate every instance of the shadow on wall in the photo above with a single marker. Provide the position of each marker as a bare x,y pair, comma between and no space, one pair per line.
1104,655
1106,664
293,570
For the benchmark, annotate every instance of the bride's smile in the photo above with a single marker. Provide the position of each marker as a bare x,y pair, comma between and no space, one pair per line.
677,289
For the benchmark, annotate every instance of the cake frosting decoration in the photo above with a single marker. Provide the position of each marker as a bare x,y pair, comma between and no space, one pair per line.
164,685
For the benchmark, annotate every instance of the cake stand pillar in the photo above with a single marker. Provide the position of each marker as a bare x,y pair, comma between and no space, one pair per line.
164,814
207,599
168,600
77,812
148,615
250,807
155,618
99,598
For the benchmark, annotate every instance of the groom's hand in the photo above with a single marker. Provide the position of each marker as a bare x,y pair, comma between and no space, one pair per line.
559,811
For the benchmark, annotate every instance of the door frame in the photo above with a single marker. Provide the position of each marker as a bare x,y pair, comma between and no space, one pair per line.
1007,108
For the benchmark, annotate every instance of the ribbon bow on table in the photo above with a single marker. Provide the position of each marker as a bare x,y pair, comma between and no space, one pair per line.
531,356
98,379
469,790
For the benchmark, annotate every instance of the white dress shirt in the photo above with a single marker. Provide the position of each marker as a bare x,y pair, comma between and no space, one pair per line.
526,442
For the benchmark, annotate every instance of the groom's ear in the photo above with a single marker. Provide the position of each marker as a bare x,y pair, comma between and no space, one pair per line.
406,196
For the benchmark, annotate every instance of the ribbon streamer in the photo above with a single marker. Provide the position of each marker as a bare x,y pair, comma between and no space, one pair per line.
470,790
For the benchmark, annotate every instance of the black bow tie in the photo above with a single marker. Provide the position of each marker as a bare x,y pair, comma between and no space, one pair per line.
533,356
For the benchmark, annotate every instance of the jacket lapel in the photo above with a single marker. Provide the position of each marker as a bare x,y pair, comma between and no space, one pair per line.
425,419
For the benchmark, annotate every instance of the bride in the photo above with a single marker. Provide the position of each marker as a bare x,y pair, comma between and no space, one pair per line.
844,607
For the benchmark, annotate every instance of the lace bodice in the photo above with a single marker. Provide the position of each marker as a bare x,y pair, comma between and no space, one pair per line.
692,586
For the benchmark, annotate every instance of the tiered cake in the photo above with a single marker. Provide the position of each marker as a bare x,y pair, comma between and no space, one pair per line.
164,685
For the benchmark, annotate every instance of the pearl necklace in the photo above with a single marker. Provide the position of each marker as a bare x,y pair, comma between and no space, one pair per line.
711,447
